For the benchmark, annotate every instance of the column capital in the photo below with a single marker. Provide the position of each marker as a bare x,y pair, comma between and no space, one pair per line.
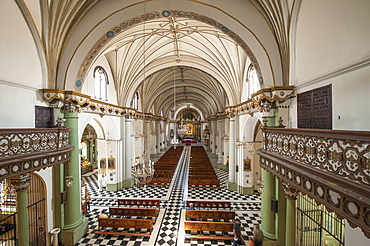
21,182
290,192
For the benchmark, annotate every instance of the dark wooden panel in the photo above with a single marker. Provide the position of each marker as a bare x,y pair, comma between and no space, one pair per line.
315,108
43,117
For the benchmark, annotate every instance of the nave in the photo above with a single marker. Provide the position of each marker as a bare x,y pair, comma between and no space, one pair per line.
168,230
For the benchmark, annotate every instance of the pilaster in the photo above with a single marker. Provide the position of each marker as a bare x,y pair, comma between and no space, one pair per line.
232,158
128,158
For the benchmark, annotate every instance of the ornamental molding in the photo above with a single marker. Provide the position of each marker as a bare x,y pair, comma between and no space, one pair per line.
21,182
75,101
305,160
291,193
263,101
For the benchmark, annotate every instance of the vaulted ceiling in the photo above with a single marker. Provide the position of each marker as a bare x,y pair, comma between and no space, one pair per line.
199,65
173,53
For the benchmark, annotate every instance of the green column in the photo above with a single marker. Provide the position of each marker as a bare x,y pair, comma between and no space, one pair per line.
281,214
58,187
73,215
268,217
291,215
74,225
21,184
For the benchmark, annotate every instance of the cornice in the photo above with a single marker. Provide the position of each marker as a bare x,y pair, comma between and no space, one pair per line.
76,101
262,101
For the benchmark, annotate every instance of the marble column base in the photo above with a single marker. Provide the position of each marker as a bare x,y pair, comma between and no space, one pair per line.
245,190
70,237
231,186
115,187
127,183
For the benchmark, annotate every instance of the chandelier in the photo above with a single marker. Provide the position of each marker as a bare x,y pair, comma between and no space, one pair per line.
143,172
182,129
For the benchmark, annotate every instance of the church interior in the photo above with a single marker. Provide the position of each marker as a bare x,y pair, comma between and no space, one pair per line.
164,122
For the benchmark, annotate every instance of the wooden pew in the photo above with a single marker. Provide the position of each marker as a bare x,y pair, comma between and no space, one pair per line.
209,204
116,223
206,176
202,226
138,212
209,214
204,183
160,180
139,202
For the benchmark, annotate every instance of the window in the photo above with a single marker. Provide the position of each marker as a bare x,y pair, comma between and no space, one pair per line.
252,79
135,101
101,84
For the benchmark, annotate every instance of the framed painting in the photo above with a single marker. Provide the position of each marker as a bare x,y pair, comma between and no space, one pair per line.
111,163
247,165
103,163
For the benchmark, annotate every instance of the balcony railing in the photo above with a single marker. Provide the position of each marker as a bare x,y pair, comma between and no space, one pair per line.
333,167
28,150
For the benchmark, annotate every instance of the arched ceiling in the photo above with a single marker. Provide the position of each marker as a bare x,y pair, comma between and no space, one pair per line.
215,37
203,64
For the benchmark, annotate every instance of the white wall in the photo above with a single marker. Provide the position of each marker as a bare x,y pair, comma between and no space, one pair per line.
19,61
331,34
332,47
355,237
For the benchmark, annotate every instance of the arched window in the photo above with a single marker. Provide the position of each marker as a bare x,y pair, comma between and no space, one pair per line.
101,83
135,101
253,80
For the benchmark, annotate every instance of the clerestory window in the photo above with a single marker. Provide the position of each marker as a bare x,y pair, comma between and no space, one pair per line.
101,84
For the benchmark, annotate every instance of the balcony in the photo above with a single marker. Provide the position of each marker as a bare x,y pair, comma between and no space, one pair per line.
332,167
28,150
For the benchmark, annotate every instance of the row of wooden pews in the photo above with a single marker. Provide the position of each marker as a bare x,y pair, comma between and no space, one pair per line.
209,217
165,166
201,171
133,217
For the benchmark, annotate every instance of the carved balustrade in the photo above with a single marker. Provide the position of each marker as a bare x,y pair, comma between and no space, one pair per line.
27,150
332,167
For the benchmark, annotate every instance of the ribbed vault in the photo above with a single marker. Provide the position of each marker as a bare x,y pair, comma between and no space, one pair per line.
182,60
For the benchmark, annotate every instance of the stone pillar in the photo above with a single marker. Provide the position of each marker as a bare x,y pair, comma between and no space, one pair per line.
73,216
291,215
232,158
21,184
147,140
226,143
268,217
128,158
158,136
219,138
281,214
74,225
214,137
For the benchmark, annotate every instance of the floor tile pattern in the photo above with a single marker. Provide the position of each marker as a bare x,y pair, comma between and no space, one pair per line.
247,209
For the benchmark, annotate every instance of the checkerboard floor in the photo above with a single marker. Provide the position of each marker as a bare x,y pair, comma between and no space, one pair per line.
166,229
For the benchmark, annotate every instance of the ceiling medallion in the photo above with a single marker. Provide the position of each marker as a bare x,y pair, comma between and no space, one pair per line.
78,83
110,34
261,80
166,13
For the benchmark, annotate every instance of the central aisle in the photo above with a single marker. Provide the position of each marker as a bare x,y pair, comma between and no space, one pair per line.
167,229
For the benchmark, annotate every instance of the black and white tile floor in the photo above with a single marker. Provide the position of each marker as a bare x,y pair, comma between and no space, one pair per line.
166,229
